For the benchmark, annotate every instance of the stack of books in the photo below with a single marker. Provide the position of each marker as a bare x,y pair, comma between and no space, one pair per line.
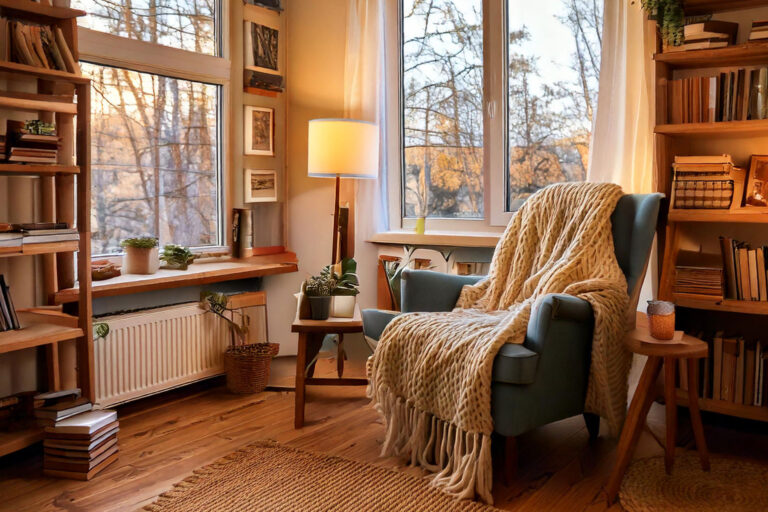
10,242
26,147
759,30
36,45
699,273
746,275
59,405
81,446
705,35
45,236
736,371
9,320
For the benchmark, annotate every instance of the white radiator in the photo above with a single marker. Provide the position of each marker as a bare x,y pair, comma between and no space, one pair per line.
155,350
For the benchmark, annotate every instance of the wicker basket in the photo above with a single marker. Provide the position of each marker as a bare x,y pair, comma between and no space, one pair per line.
247,366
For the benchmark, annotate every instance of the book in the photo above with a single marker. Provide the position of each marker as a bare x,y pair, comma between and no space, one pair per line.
82,445
728,373
738,388
71,394
743,265
703,29
81,465
55,231
758,389
717,365
726,250
749,373
44,239
10,239
7,301
754,289
61,410
83,425
66,54
761,274
77,475
82,454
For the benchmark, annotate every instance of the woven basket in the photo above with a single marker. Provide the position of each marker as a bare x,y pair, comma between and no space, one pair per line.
247,366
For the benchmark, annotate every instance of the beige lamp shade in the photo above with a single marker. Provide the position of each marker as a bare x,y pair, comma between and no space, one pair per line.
343,147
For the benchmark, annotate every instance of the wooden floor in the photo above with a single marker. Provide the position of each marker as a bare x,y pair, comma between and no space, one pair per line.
163,439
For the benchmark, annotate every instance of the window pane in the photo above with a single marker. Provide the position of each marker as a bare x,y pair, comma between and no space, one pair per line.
188,25
442,108
154,159
554,66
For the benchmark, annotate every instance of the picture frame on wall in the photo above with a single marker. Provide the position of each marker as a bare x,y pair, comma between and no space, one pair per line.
756,191
260,186
259,131
264,46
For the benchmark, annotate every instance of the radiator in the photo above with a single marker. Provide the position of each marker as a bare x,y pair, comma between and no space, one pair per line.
156,350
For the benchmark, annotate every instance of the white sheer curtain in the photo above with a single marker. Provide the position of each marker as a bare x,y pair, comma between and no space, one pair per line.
622,140
366,97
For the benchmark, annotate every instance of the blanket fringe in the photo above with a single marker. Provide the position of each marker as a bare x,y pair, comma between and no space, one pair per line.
460,461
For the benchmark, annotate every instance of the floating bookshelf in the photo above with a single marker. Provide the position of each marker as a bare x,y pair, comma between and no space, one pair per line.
749,54
754,128
37,169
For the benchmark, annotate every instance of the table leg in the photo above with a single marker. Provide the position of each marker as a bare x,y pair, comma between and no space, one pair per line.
301,363
340,355
693,407
633,425
670,399
314,343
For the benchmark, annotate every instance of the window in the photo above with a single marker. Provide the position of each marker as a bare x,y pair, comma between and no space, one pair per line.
498,98
156,122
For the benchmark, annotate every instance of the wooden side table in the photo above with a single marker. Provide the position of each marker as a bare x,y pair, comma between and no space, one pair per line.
687,348
311,334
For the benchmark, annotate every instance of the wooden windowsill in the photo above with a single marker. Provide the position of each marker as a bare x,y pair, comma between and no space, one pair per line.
198,273
437,239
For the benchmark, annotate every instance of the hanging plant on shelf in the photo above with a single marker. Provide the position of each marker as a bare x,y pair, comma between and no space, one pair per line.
670,18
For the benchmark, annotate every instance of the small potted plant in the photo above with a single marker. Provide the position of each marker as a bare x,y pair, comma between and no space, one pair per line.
318,290
177,257
141,255
344,294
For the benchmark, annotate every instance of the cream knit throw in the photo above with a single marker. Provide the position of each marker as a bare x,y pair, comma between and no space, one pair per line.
430,376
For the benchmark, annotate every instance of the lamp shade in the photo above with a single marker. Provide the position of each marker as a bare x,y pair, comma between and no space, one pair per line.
343,147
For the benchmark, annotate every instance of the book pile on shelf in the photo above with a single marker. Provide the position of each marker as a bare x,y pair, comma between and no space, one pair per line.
706,35
699,273
706,182
81,446
745,270
736,371
46,232
55,406
41,46
31,142
9,320
759,30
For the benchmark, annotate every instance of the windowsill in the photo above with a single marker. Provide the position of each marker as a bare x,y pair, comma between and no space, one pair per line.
437,238
226,269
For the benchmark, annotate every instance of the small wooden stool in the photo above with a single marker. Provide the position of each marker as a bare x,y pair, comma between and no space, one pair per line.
311,334
686,347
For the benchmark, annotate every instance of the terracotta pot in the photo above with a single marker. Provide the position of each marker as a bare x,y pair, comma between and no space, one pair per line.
343,306
140,261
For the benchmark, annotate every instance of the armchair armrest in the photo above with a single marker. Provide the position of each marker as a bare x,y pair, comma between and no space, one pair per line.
559,309
425,290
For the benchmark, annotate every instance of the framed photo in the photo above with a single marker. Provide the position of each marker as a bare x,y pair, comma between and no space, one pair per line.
757,183
260,186
259,131
263,40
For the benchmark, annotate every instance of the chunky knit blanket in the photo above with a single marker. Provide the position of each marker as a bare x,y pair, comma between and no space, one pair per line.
430,376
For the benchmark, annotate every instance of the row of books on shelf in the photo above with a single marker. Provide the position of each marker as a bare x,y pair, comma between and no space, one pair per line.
30,142
37,45
736,371
14,236
9,319
738,95
704,35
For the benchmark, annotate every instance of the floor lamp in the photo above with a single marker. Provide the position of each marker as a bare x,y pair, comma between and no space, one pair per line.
342,148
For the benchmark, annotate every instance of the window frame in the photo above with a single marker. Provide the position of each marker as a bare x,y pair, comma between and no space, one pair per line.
106,49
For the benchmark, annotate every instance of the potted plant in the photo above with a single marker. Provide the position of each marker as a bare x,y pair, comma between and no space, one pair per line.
344,294
247,365
177,257
318,292
140,255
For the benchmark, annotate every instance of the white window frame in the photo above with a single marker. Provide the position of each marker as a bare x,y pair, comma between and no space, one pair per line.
106,49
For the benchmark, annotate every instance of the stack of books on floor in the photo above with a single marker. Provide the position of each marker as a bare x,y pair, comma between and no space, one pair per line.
24,146
746,275
9,320
759,30
55,406
81,446
706,35
699,274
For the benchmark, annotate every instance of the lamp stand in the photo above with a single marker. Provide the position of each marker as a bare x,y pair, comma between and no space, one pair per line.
335,250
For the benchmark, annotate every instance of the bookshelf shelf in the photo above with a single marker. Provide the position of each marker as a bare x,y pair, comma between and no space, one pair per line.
37,249
46,74
755,128
750,54
752,307
37,169
14,441
35,333
695,7
743,215
27,8
37,102
749,412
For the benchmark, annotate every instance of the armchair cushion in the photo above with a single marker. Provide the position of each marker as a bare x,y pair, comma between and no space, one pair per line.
515,364
374,322
425,290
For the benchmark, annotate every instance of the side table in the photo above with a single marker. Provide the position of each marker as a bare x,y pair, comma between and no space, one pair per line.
686,347
311,334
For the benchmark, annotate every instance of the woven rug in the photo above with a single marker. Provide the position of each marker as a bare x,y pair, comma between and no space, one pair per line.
731,485
270,477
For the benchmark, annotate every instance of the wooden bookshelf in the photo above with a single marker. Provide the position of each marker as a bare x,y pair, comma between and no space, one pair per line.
688,229
63,98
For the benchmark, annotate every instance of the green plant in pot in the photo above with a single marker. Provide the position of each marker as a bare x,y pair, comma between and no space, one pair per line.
344,294
177,257
141,255
318,290
670,19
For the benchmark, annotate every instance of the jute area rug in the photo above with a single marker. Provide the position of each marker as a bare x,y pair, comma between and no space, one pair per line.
731,485
270,477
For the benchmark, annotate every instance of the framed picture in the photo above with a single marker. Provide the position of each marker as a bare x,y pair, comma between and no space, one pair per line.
259,131
260,186
757,182
263,40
